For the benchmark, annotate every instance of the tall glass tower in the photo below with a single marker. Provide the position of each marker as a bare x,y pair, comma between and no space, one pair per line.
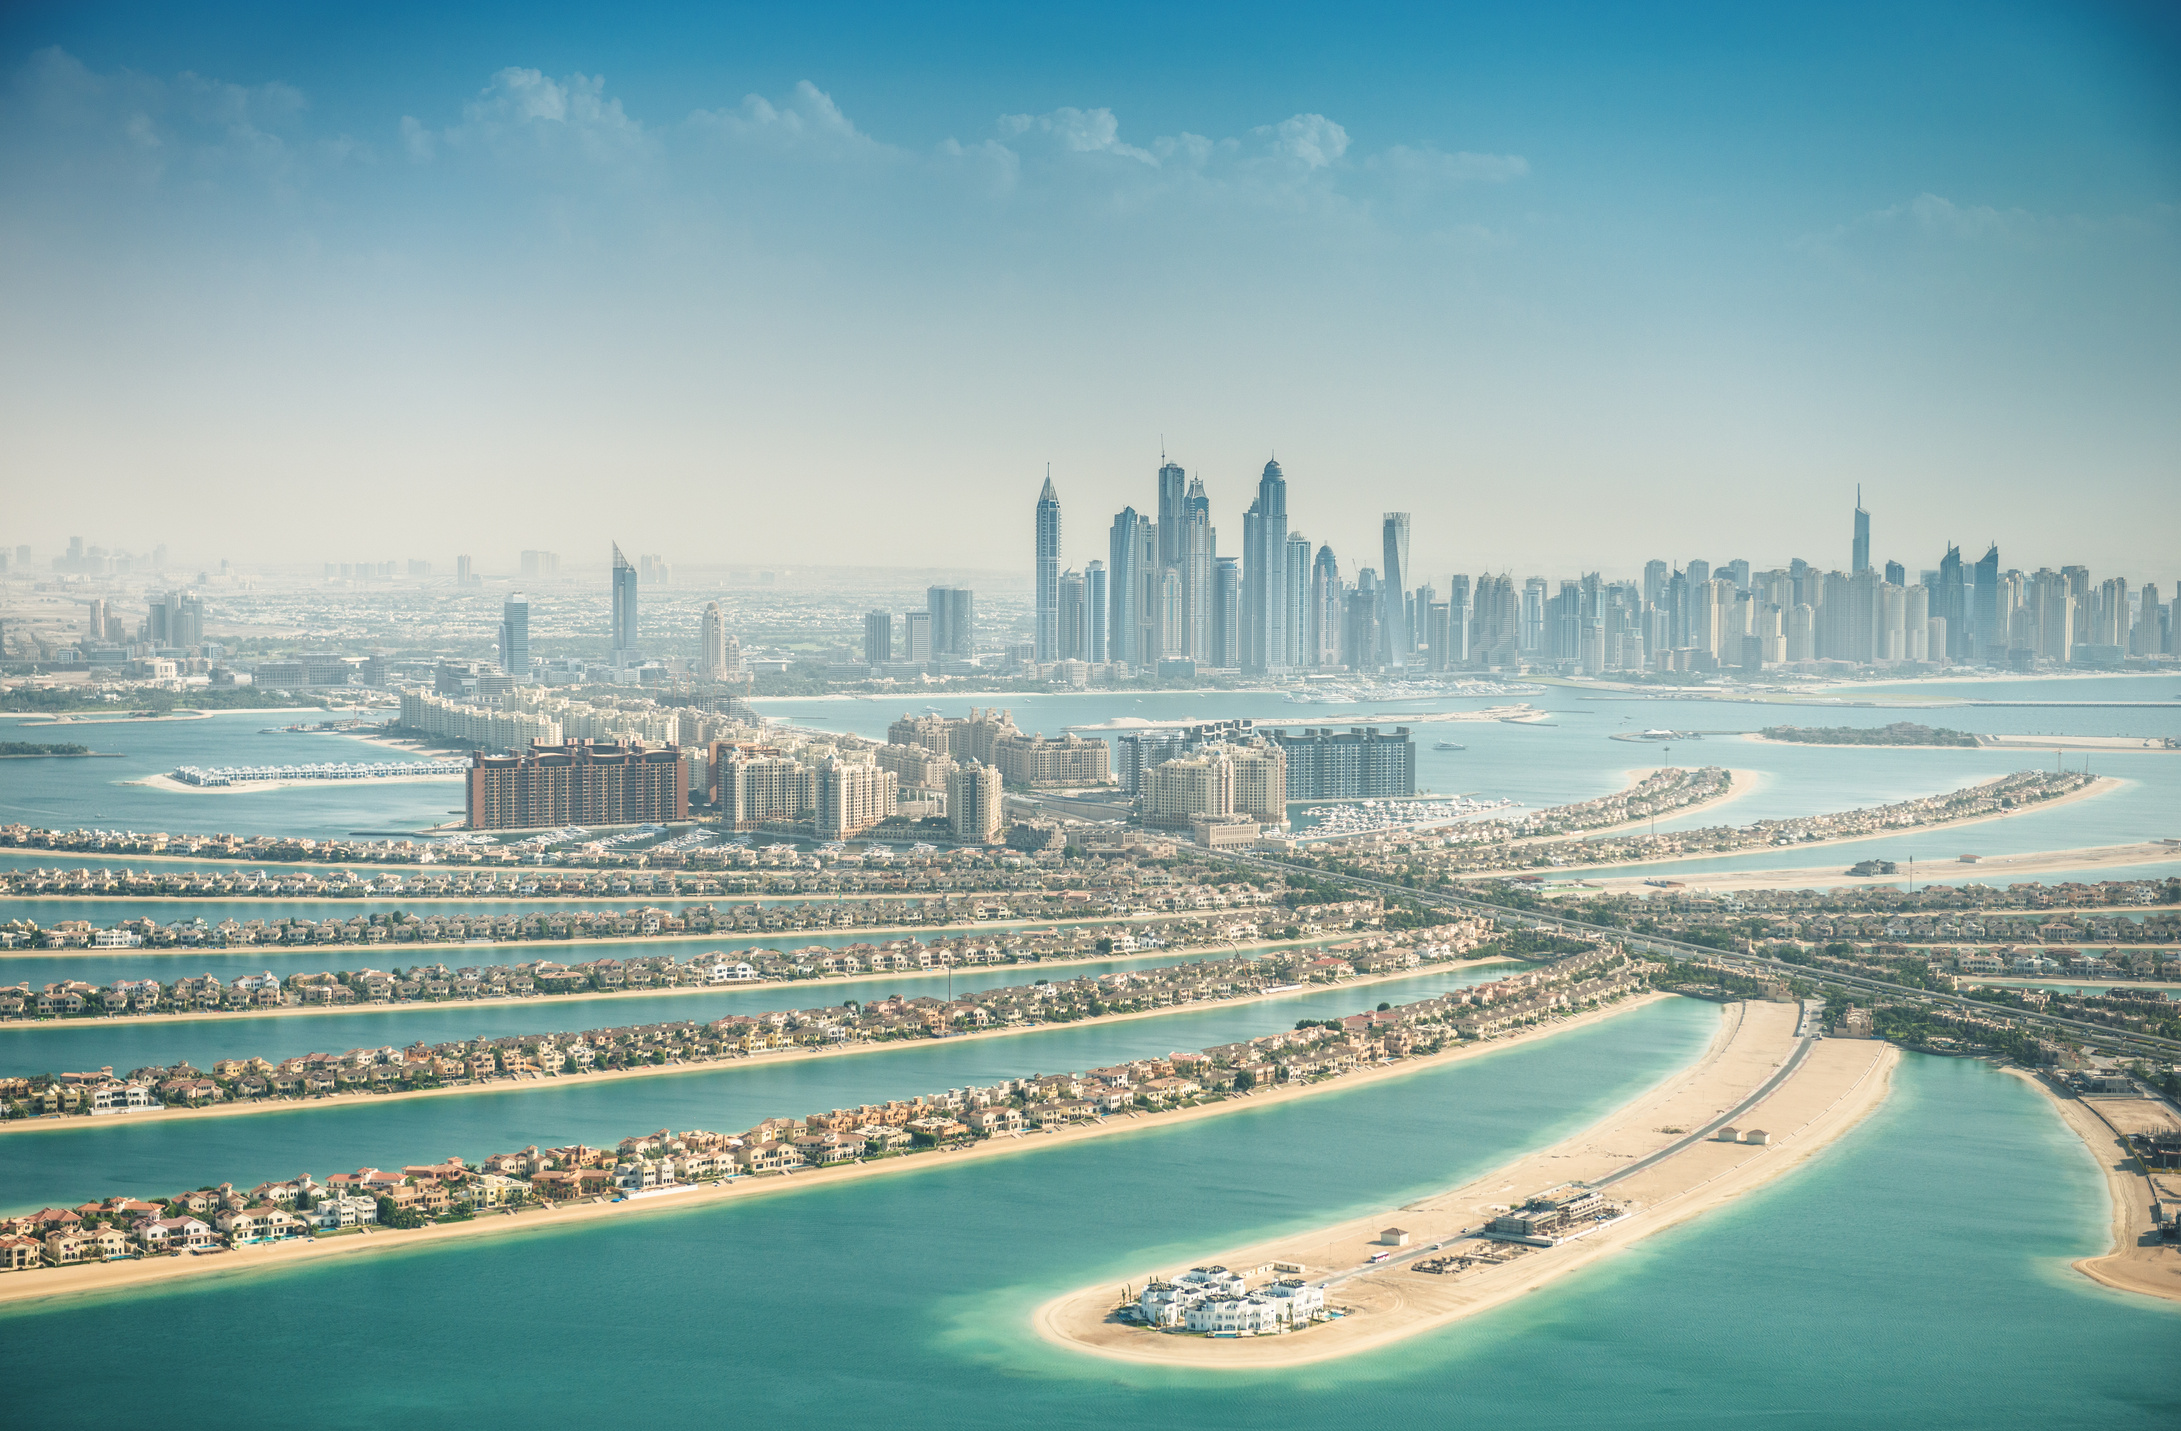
1861,555
1264,565
1393,628
515,636
624,609
1048,572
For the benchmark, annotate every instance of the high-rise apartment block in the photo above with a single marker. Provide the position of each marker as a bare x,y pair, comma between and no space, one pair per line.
976,805
1029,762
878,638
578,782
1360,763
852,797
756,787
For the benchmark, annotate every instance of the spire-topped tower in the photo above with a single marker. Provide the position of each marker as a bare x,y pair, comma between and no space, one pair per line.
1861,556
1047,572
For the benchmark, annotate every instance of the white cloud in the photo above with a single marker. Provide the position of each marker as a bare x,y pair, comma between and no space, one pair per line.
809,122
1077,131
524,112
188,127
1310,140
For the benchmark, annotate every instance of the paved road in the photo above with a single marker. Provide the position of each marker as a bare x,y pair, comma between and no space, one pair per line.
2090,1032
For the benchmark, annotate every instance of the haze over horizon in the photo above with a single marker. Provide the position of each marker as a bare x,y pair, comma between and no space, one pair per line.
1577,289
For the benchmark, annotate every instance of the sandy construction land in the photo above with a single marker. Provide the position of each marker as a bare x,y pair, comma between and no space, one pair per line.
1838,1082
534,1081
1990,869
2140,1261
50,1283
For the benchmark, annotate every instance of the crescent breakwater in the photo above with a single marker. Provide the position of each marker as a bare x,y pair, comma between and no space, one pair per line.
1674,1153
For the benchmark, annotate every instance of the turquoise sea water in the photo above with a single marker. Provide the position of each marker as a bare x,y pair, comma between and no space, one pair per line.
1570,758
1915,1276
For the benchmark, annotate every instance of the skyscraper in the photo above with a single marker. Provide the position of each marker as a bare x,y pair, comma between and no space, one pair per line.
1325,610
624,609
1048,571
1128,547
1295,596
916,628
1862,553
713,642
1074,629
1199,549
1990,645
1954,603
1264,564
1393,628
1098,646
1227,613
515,635
953,609
1173,499
878,638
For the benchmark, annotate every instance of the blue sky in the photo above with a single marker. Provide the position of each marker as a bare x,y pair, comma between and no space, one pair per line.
1577,285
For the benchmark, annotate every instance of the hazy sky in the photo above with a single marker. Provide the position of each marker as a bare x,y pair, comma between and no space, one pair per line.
1576,285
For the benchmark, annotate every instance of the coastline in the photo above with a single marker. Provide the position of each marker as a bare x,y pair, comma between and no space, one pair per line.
2102,785
61,1283
1840,1083
533,1082
2135,1260
600,996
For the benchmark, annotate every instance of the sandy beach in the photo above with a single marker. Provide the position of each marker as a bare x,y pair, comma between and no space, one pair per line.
2139,1260
54,1283
1988,869
533,1082
1837,1083
823,981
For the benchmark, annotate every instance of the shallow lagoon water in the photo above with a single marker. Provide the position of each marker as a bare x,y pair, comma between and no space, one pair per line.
1846,1295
